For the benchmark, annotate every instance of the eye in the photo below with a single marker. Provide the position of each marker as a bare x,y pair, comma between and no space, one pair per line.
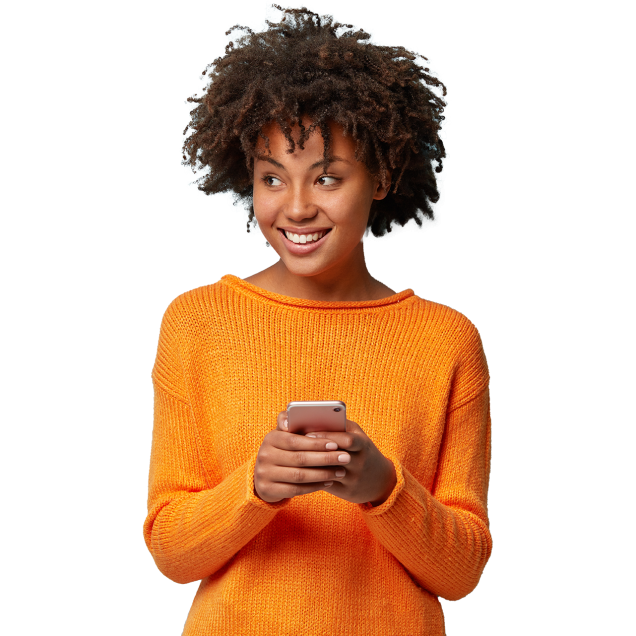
271,181
327,181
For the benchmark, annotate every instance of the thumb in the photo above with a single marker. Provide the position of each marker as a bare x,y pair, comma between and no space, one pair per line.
281,423
352,427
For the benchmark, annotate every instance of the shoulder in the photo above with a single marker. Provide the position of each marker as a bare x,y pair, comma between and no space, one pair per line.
445,324
196,303
449,331
197,300
457,345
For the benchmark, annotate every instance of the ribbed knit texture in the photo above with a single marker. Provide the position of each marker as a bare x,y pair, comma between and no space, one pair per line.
413,375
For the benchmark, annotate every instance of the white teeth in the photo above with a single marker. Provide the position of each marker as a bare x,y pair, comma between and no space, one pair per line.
304,238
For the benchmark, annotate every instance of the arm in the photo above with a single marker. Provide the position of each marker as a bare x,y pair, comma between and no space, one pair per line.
196,521
442,537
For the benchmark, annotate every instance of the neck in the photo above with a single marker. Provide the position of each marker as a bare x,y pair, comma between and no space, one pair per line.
354,285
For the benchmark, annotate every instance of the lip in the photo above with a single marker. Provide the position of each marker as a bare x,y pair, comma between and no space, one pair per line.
302,248
304,230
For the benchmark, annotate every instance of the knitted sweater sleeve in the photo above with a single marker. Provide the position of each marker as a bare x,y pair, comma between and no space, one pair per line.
196,520
442,537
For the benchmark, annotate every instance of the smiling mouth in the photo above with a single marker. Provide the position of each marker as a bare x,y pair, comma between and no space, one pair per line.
307,242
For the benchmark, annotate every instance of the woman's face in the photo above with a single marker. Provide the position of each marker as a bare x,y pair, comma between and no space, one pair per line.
314,214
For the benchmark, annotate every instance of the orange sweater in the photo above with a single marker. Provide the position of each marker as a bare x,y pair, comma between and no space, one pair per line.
414,377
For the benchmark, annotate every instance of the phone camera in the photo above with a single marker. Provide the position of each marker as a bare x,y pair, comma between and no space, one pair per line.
337,410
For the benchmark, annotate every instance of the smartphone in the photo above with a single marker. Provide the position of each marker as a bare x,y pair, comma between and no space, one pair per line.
323,415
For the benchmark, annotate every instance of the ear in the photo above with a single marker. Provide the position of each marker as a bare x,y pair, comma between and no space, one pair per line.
381,192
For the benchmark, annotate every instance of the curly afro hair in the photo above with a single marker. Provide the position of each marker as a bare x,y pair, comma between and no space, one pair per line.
300,67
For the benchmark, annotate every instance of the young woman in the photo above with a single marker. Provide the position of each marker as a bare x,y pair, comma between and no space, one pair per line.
324,136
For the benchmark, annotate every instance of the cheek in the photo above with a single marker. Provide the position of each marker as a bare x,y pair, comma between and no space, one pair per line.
264,208
264,212
350,211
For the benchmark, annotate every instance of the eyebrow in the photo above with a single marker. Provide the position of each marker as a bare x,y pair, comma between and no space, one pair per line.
322,162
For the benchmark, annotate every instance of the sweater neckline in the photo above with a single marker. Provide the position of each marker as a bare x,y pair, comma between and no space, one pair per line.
259,293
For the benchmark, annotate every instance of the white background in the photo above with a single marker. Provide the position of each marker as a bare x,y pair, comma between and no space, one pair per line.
101,229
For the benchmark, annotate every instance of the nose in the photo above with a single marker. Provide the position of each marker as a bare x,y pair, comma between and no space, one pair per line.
299,205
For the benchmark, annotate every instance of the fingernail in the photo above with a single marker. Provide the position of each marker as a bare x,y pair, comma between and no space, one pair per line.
332,445
310,435
328,483
285,424
340,472
343,458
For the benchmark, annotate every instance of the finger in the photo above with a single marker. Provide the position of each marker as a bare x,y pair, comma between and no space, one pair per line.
346,441
281,421
296,451
280,490
288,449
353,439
297,475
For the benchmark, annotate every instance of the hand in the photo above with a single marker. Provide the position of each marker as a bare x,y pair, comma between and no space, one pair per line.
370,476
289,465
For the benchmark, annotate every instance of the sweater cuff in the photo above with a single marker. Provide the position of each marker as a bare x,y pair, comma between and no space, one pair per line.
368,509
251,495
